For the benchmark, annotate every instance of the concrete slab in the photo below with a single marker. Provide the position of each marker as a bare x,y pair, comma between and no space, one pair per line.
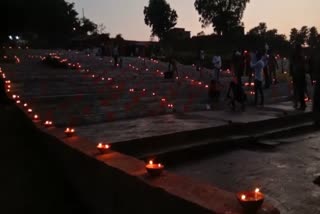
285,173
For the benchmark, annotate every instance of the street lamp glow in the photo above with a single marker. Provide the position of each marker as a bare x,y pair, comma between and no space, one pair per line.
10,37
17,37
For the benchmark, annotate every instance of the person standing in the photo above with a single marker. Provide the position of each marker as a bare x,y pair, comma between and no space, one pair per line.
273,67
266,71
115,54
172,69
258,71
248,59
314,65
237,64
200,63
298,73
217,64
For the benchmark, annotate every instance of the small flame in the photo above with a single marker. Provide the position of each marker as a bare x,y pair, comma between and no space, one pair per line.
243,197
257,190
151,162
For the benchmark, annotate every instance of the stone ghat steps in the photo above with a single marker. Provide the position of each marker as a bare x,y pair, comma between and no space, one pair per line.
62,90
84,113
179,147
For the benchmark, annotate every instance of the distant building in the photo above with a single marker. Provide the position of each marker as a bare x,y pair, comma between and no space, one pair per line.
179,34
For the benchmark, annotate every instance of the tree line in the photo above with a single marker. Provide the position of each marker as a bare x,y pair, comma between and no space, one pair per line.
224,16
54,21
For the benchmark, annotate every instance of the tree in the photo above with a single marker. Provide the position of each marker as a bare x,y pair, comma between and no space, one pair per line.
202,33
261,29
101,28
119,37
87,27
303,35
299,37
313,38
160,17
294,34
223,15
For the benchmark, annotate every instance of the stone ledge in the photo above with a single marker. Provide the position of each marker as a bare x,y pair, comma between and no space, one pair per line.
125,186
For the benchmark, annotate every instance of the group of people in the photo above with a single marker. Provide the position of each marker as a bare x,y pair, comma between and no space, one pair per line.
263,66
254,65
300,64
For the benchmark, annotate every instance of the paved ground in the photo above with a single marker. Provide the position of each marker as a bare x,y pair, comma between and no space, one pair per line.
165,124
285,173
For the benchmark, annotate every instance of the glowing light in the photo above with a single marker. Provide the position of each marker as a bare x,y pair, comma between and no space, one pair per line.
243,197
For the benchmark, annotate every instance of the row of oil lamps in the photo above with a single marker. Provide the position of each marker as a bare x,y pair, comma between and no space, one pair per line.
251,201
152,168
170,106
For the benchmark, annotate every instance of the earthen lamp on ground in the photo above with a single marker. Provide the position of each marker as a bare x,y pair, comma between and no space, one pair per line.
48,124
69,132
252,201
103,148
35,117
154,169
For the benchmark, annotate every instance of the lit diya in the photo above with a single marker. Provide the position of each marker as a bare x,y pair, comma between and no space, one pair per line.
25,105
252,201
170,106
35,117
69,132
48,123
29,110
154,169
103,148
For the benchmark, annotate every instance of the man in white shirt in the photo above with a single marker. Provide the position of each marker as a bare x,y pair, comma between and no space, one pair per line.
258,70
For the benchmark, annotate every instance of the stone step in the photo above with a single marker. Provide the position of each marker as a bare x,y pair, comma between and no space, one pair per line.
198,150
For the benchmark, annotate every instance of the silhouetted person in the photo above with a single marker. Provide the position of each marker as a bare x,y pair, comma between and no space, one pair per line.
172,69
238,65
266,71
314,65
258,70
273,67
298,73
249,71
236,94
115,54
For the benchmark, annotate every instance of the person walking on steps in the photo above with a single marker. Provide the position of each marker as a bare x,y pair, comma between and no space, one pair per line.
258,67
